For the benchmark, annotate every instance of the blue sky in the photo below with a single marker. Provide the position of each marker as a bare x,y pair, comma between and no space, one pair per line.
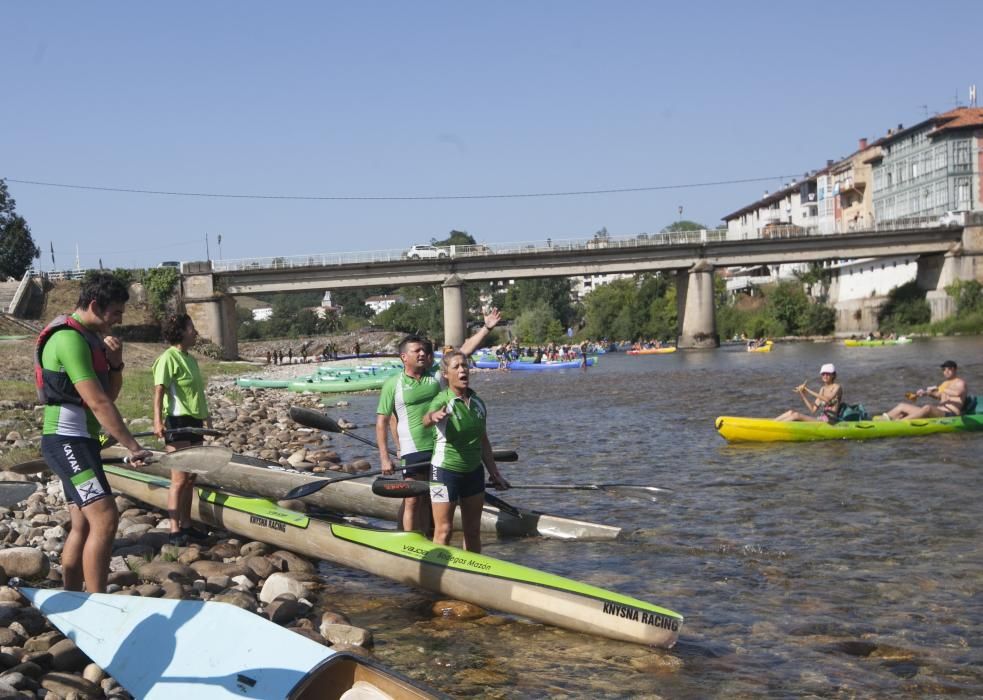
400,99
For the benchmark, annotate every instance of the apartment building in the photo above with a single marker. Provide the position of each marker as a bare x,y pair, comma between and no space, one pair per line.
793,206
930,168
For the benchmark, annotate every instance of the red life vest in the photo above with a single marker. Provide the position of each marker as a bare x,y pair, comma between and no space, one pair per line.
54,386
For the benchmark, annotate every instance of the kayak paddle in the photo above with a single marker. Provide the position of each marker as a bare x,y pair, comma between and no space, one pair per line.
13,492
194,460
321,421
403,489
315,486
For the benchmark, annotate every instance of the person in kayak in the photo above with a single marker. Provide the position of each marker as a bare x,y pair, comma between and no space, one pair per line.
406,397
179,402
951,396
78,369
457,418
827,401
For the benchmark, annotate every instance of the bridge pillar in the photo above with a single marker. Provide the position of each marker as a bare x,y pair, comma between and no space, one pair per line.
964,261
213,312
695,307
454,321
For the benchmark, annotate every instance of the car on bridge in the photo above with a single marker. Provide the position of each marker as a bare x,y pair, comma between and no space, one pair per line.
423,252
953,218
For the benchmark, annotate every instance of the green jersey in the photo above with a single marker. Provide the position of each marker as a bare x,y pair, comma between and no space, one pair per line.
68,351
184,388
458,437
407,398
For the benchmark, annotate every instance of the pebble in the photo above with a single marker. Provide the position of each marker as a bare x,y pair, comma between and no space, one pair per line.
38,661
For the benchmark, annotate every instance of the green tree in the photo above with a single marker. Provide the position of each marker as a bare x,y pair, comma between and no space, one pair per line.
608,310
455,238
683,225
17,248
160,283
905,307
968,295
555,292
537,324
787,302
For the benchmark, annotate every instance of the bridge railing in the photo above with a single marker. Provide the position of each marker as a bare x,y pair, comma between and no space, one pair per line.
462,251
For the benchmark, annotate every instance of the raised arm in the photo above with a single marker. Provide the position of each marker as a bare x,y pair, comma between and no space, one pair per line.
474,342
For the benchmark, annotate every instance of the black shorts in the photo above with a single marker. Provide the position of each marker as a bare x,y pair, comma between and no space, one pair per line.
78,464
178,422
420,462
447,486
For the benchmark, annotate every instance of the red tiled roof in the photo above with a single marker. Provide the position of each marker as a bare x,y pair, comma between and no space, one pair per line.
959,118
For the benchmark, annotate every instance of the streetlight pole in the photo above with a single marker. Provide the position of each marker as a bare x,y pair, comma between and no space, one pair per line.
208,255
220,246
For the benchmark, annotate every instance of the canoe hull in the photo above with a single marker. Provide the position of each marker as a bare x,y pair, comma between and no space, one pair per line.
410,558
739,429
160,649
255,476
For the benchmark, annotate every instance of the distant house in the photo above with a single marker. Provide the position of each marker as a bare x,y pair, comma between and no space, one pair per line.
263,313
380,303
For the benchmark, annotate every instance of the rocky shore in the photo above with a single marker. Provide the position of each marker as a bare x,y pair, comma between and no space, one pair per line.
37,661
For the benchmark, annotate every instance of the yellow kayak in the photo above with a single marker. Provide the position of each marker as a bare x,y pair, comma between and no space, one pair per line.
651,351
739,429
763,348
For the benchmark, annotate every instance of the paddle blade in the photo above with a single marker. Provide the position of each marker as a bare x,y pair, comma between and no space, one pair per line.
32,467
197,460
315,419
394,488
13,492
505,455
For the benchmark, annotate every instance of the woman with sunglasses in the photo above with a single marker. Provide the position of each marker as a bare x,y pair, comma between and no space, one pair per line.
826,403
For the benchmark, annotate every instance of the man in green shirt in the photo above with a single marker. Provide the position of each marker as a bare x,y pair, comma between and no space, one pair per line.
405,398
79,373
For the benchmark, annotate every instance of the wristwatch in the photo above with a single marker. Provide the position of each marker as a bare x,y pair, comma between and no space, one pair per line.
117,368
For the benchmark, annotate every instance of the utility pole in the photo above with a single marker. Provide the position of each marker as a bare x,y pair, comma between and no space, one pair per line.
208,255
220,246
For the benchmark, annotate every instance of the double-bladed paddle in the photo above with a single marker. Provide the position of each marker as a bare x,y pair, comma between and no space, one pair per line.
321,421
193,460
404,489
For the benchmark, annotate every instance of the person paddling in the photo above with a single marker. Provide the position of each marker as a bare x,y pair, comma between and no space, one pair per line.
458,419
827,401
951,396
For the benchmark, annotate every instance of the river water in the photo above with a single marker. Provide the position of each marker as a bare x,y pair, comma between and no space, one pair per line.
838,569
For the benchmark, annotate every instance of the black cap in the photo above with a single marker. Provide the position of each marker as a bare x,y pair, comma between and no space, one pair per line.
948,363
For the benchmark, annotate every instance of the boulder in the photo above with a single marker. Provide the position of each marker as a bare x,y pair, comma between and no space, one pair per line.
25,562
278,584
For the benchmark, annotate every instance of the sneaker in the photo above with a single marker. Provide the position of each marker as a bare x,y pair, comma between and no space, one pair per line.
178,539
193,533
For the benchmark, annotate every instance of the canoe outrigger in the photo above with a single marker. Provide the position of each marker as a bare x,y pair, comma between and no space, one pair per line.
410,558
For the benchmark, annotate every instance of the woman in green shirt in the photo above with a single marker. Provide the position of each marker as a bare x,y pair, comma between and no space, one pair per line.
179,402
461,446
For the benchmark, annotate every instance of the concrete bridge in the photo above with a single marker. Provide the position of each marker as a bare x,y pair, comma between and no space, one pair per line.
944,255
